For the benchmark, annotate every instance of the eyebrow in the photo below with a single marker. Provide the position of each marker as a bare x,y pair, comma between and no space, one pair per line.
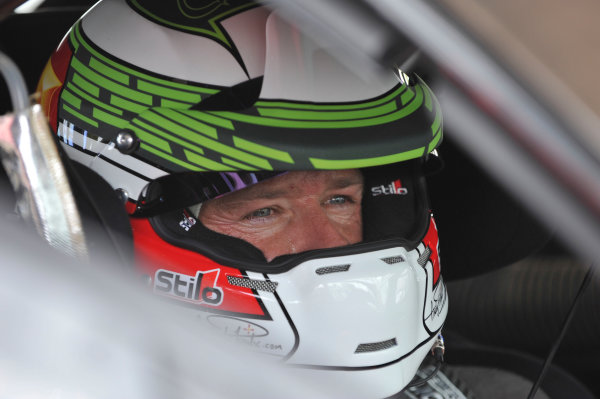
265,193
344,182
261,193
258,193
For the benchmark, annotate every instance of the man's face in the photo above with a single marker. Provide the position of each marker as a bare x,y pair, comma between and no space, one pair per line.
291,213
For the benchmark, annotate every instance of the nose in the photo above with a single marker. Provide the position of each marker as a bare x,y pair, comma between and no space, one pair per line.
315,230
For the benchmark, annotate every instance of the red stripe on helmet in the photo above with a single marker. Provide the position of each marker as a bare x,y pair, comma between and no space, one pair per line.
155,256
431,240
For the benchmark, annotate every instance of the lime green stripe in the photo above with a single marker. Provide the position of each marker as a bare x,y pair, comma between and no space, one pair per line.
168,136
206,142
169,126
436,122
80,116
85,85
328,115
188,122
77,38
93,100
73,39
108,118
365,162
204,162
109,84
407,96
435,141
153,140
262,121
237,165
334,107
162,91
173,104
212,119
109,72
170,158
126,104
262,150
71,99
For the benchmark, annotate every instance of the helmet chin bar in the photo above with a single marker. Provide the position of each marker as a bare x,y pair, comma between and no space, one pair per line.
379,316
363,320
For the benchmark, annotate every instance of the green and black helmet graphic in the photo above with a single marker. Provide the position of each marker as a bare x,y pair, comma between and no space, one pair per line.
104,94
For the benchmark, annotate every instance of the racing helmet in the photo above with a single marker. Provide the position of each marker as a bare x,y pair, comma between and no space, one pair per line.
175,103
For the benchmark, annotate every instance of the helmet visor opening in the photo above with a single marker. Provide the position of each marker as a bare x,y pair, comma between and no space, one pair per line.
394,210
181,190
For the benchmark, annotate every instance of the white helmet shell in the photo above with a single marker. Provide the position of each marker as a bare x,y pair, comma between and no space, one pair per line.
233,89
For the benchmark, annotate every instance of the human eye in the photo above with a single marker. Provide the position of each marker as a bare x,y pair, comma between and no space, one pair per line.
343,204
259,214
339,200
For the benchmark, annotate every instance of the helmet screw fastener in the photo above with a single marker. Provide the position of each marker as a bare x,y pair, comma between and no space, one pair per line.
122,195
127,141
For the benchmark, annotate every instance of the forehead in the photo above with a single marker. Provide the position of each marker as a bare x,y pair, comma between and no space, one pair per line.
298,182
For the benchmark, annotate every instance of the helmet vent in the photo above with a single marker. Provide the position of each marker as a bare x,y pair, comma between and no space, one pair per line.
393,259
258,285
424,257
376,346
332,269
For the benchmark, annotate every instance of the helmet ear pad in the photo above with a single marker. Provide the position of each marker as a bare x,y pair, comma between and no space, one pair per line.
395,203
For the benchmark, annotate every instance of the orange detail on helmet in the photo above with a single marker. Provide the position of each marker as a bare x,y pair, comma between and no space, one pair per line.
52,80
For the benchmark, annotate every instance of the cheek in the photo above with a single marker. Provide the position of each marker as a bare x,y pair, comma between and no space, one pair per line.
214,223
350,226
238,230
273,246
355,229
266,238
